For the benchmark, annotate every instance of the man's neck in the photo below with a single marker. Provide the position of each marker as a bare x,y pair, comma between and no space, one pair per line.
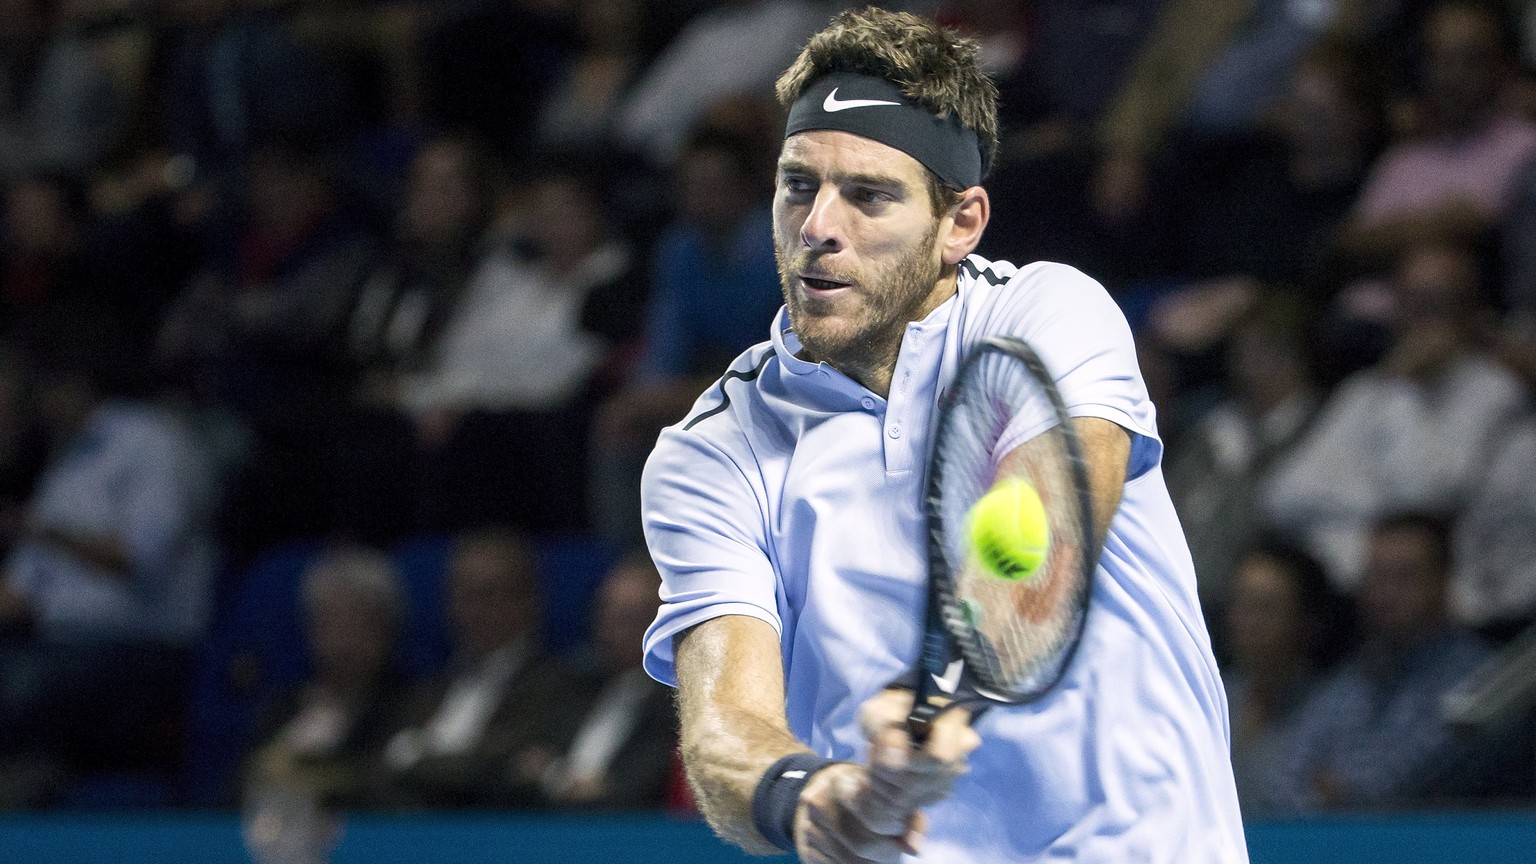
877,365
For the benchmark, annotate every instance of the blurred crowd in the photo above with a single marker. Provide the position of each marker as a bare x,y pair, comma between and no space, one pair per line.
291,290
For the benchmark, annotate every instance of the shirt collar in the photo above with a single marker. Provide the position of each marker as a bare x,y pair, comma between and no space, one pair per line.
787,345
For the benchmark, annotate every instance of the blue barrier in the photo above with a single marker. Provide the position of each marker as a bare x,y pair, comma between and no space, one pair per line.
1497,838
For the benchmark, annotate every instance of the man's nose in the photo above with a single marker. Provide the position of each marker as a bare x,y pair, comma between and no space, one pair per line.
822,231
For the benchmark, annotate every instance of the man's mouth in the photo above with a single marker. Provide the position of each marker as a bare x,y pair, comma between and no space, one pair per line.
817,283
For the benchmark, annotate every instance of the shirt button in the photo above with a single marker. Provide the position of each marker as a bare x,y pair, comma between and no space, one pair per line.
895,432
867,402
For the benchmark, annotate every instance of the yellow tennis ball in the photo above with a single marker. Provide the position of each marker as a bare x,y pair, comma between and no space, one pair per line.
1008,530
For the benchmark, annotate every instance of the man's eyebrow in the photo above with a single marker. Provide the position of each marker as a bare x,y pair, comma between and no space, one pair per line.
791,167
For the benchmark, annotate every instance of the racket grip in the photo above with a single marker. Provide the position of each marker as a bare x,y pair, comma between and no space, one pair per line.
920,721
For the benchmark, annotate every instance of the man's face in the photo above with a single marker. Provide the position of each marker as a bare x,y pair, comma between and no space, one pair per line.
857,243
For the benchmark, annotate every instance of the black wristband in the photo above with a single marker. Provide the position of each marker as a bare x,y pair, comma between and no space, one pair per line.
777,797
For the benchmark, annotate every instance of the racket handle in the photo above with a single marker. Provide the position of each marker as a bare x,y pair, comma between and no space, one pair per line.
920,721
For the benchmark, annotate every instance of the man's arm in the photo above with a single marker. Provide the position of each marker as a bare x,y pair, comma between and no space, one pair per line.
1106,449
731,704
730,687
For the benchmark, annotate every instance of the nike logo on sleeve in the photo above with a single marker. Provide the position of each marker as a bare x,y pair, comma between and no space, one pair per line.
832,104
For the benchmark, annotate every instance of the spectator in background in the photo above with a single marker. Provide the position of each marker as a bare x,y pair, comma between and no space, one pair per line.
269,309
1215,475
501,403
322,739
263,325
1493,586
477,736
42,263
398,319
1407,433
581,110
1069,59
1306,165
1372,733
1457,175
1212,69
61,260
1284,628
106,591
621,755
714,282
233,77
438,235
740,46
76,104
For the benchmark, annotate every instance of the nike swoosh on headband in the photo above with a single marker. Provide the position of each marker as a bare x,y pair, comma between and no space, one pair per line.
833,104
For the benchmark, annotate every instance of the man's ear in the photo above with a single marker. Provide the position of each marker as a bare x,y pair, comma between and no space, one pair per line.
968,221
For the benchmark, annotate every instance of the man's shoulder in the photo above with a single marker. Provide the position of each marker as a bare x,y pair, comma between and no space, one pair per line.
716,411
1043,276
1000,297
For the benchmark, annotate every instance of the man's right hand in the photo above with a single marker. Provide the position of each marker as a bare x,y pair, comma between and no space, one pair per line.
851,814
847,816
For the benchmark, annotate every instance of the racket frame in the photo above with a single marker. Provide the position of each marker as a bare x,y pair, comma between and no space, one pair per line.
946,632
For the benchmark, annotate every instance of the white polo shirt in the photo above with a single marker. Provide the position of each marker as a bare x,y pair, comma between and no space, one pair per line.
792,494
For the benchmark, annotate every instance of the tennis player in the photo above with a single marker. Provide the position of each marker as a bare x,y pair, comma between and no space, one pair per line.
785,516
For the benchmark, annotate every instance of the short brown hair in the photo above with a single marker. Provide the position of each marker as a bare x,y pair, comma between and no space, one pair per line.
936,68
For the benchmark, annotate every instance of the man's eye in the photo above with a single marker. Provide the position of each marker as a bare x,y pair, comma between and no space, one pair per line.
870,196
797,184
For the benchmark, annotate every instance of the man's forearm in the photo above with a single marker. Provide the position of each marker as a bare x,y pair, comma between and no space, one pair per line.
731,698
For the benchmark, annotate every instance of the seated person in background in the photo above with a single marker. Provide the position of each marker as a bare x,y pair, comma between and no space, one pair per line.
438,236
106,590
1494,584
1225,455
1407,433
502,403
397,320
724,49
1458,175
466,735
321,738
621,756
1372,734
714,282
266,315
1284,627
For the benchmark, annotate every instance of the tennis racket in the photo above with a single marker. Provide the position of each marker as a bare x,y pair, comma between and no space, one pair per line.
1002,418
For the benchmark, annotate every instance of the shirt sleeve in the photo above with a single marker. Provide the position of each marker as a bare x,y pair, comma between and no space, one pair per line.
1083,338
706,532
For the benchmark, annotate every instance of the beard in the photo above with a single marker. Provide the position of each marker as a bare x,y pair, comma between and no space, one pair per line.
868,331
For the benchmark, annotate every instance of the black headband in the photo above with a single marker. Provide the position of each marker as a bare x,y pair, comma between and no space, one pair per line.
877,109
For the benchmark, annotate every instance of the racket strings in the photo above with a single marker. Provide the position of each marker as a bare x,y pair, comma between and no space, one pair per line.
1014,634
